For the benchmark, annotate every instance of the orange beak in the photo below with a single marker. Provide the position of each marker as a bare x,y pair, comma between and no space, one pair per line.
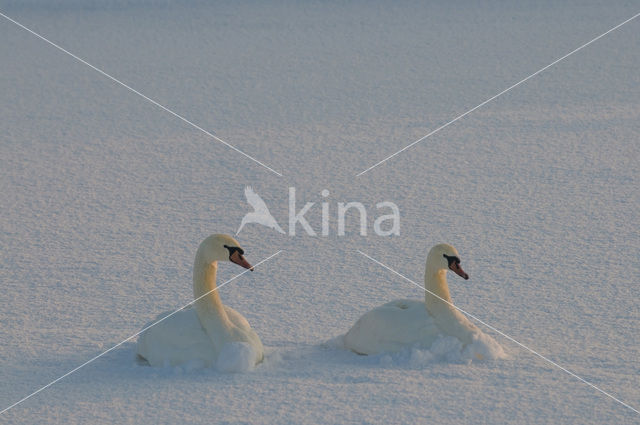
455,267
237,258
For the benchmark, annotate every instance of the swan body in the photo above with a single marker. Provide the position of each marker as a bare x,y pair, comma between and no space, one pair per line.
402,323
392,326
211,334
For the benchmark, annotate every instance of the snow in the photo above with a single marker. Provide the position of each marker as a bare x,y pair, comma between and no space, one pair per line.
105,198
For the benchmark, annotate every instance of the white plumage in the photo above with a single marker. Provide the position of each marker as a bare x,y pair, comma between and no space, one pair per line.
403,323
211,334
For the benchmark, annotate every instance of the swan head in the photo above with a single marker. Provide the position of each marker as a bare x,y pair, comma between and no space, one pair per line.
445,257
221,247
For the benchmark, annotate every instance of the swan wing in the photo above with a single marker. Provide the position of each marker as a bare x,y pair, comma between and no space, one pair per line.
237,318
390,327
245,333
176,340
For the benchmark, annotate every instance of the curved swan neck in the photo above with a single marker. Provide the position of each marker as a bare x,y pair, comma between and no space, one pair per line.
435,281
209,308
204,282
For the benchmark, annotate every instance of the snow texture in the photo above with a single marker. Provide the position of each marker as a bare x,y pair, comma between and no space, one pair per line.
105,198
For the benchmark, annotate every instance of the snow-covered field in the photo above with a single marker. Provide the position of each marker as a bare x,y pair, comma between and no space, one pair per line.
105,198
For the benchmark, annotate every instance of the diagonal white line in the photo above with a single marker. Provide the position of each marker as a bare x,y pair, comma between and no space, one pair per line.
132,336
498,95
501,333
140,94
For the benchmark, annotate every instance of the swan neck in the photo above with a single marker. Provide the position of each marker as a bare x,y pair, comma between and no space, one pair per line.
209,308
437,295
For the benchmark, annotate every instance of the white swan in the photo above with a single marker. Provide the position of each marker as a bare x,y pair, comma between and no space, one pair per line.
212,333
401,323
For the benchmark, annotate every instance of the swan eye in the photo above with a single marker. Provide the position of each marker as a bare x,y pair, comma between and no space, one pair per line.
451,259
233,249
